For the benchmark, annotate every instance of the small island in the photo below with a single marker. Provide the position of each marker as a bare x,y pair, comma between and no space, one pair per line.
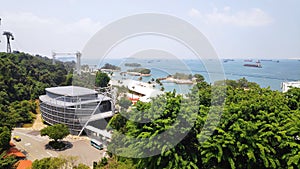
138,72
110,68
181,78
132,64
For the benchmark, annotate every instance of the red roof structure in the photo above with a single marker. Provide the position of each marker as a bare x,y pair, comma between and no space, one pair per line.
15,152
24,164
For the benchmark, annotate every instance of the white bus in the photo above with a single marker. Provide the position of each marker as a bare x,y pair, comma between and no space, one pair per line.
97,144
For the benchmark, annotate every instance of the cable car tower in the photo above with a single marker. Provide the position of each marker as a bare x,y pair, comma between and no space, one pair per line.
78,59
9,36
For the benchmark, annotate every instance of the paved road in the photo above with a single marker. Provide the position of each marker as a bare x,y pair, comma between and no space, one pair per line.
33,146
38,123
86,153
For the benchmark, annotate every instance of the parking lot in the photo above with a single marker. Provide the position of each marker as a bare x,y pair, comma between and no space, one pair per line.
33,146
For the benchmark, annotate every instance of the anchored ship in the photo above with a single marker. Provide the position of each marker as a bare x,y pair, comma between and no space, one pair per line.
257,64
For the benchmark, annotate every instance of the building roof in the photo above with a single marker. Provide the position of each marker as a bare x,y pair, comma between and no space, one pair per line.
287,85
59,103
104,133
24,164
15,152
70,91
145,89
101,115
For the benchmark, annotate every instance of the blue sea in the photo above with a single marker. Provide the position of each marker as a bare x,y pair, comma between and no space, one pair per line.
272,73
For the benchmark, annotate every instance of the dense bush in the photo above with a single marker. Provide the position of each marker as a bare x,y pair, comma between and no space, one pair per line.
258,128
24,77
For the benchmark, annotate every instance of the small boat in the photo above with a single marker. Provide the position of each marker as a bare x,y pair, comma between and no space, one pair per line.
248,60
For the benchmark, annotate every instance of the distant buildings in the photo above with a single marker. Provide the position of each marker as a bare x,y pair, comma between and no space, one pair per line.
79,108
285,86
138,90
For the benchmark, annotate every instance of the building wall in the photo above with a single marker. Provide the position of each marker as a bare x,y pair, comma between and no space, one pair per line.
58,115
285,86
74,118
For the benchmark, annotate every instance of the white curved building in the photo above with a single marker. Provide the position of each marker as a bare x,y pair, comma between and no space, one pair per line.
77,107
285,86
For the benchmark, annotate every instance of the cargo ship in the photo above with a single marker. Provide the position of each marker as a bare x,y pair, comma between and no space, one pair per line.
257,64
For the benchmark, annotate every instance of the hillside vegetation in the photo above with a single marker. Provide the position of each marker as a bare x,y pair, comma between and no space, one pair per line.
23,78
255,128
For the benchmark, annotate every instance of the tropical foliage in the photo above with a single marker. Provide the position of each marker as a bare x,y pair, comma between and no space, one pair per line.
7,162
182,76
114,163
58,162
254,128
125,103
5,135
24,77
102,79
86,79
55,132
140,70
110,66
199,78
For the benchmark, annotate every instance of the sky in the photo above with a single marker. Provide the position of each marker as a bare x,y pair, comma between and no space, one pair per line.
236,29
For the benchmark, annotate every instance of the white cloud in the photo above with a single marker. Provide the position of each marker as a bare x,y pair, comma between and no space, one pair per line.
194,12
251,17
227,8
41,35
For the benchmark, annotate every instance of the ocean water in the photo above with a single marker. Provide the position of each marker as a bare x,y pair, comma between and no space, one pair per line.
272,73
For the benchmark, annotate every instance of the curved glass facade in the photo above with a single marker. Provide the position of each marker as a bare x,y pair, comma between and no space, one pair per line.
74,111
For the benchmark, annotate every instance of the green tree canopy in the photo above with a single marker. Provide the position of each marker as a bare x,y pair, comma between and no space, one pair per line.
199,78
58,162
55,132
258,128
25,77
140,70
5,136
7,162
110,66
102,79
125,102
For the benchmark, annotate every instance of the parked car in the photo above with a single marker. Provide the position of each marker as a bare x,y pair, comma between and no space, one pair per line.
17,138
